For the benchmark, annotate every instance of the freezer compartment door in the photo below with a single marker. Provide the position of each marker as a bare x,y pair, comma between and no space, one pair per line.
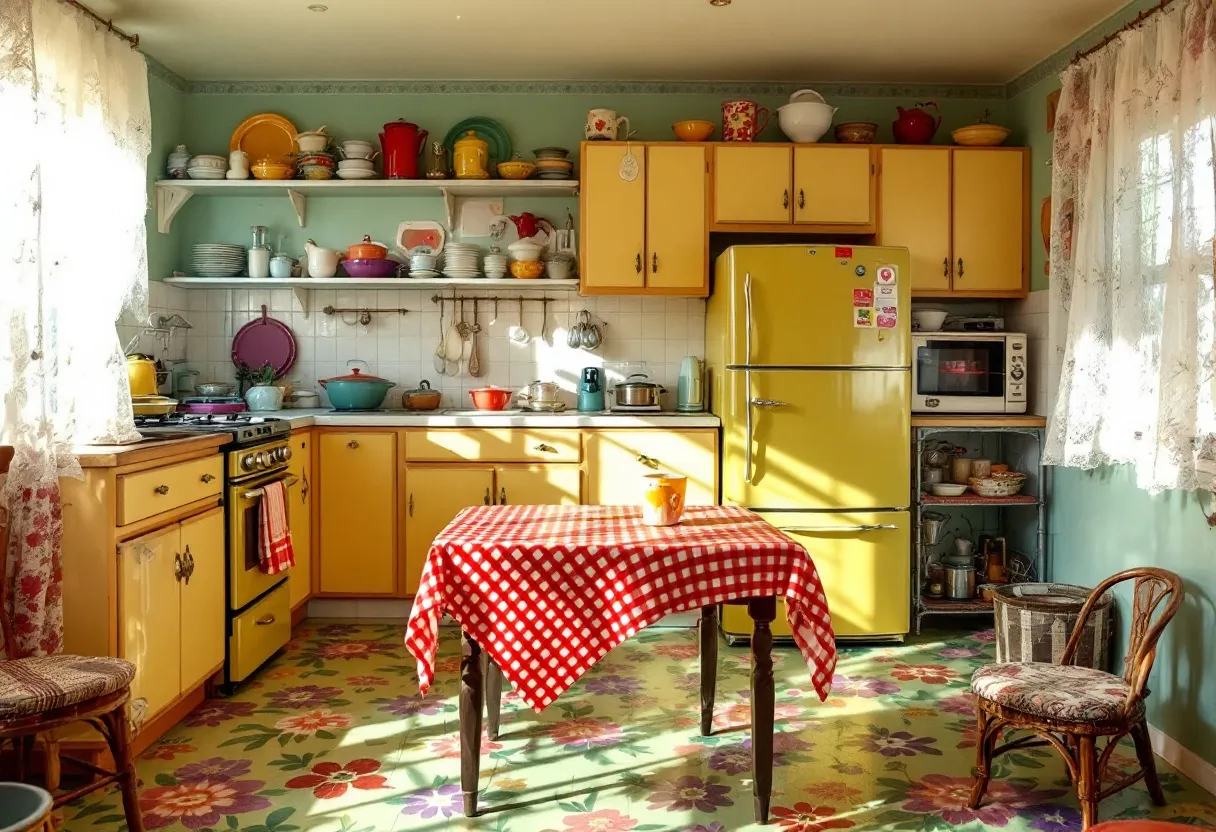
818,306
820,439
864,562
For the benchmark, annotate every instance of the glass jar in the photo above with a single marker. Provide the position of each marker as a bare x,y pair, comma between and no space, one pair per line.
259,254
437,161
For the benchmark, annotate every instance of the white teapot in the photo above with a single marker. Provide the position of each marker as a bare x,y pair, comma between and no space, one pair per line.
322,262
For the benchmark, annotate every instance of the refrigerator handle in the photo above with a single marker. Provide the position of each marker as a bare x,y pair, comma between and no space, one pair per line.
769,403
821,529
747,375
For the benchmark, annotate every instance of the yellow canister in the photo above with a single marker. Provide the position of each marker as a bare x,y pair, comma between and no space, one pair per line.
470,157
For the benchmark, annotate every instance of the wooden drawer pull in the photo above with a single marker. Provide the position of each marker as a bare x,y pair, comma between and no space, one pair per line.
352,444
264,622
545,449
649,462
208,477
161,489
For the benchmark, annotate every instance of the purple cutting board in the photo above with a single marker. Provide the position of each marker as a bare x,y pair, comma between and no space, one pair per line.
265,340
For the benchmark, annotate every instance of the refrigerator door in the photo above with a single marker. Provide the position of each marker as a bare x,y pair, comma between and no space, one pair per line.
819,439
815,306
864,562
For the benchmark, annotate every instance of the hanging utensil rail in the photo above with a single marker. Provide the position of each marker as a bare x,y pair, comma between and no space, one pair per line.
365,315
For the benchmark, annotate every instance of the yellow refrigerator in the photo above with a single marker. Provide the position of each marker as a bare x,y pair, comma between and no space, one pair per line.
808,352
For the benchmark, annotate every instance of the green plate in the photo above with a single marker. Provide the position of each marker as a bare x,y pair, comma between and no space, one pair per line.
489,130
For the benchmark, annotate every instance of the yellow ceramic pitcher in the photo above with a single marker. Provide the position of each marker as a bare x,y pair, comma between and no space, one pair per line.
470,156
663,499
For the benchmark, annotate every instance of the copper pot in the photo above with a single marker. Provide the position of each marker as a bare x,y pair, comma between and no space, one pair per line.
424,398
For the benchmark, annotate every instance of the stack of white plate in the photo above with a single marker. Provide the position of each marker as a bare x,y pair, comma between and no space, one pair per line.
218,260
461,260
206,166
495,265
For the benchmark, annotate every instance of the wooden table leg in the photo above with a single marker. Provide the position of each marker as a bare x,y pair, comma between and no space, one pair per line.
493,684
471,704
762,611
709,667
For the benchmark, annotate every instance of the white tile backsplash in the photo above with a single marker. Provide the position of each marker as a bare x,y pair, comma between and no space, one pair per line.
658,331
1029,315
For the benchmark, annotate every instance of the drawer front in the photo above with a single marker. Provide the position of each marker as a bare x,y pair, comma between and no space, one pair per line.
618,460
163,489
258,632
493,445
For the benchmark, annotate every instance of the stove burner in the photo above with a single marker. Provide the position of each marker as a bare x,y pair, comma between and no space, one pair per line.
246,428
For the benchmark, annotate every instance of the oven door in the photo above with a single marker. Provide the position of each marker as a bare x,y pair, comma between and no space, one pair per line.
246,581
959,375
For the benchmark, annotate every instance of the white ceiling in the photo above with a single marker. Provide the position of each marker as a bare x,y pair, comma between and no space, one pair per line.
913,41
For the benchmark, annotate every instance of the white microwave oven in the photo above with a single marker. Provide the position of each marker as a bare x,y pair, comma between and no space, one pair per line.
969,372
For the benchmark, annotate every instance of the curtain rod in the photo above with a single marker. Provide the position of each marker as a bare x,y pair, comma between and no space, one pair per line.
1140,18
101,21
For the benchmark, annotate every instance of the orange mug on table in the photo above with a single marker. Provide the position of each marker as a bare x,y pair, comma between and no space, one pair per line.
663,500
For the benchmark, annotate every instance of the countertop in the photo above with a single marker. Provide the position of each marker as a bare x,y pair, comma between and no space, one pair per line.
962,420
569,419
111,456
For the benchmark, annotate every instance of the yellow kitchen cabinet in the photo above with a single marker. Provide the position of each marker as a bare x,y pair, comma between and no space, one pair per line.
915,212
991,220
538,485
677,241
202,597
299,515
618,459
358,517
833,185
434,495
612,213
752,183
149,615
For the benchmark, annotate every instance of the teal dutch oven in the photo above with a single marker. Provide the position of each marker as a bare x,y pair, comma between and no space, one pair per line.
356,391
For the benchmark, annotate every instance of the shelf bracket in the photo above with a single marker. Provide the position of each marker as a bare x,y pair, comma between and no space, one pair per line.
449,205
298,203
169,200
303,295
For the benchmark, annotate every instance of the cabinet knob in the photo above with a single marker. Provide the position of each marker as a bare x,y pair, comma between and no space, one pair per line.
411,504
352,444
649,462
654,262
960,267
304,490
207,478
187,566
945,267
161,489
177,566
785,198
637,263
486,501
545,449
502,496
264,622
801,199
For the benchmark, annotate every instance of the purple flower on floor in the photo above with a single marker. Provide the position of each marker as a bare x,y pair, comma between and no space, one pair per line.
701,827
212,712
959,703
1052,818
613,685
426,803
786,744
215,769
893,744
586,732
986,636
960,652
732,759
690,792
336,630
411,705
864,686
304,696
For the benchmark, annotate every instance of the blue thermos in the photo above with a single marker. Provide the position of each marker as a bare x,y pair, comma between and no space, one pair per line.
591,391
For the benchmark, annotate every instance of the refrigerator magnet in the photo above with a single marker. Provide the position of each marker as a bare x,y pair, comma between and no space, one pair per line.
863,317
863,297
886,294
887,317
888,275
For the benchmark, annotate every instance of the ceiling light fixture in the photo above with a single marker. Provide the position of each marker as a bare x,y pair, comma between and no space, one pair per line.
317,7
719,2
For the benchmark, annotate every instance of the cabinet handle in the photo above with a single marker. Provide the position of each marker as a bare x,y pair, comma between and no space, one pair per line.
208,477
867,527
801,199
263,622
502,496
654,262
304,490
945,267
545,449
960,267
188,566
486,501
785,198
352,444
177,566
769,403
161,489
637,263
649,462
411,504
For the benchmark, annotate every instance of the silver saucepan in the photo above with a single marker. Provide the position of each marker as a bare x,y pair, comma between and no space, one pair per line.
637,391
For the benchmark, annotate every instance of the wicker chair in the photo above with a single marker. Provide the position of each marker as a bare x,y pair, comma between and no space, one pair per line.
1072,707
41,694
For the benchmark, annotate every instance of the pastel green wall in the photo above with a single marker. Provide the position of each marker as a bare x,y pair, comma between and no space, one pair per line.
167,104
1099,521
532,120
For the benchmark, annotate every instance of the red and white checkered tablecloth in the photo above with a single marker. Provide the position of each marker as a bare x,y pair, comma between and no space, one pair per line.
547,591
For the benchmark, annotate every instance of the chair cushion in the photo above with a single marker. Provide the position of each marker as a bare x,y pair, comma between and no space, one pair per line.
44,683
1062,692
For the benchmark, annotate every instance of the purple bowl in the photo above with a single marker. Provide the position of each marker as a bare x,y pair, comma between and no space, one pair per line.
370,268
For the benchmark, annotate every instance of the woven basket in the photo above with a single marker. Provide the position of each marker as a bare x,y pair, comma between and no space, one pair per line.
1035,620
1003,484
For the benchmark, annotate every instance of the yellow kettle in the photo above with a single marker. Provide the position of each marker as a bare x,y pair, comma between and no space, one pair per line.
470,156
141,374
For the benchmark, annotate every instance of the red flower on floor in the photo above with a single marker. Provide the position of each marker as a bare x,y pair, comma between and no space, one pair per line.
167,751
679,652
930,674
805,817
351,649
330,780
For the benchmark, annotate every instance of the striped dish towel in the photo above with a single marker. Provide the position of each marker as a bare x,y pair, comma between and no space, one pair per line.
274,537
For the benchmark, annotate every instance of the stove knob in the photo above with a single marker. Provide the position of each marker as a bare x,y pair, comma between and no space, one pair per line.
286,454
260,460
1016,374
247,462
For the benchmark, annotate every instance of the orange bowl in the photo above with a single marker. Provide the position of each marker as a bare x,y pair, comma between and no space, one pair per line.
491,398
693,131
527,269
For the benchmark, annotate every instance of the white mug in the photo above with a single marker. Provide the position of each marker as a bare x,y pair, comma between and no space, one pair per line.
602,125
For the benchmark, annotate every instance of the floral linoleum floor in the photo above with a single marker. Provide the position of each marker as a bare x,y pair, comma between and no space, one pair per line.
334,736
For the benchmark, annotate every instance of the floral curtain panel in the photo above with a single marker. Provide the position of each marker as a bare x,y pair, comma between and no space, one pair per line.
74,102
1134,211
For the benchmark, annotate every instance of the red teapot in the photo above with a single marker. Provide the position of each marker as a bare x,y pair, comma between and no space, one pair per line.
527,224
915,126
401,143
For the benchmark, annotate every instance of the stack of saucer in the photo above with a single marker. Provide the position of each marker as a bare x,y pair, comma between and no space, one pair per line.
422,262
551,163
218,260
461,260
206,166
495,265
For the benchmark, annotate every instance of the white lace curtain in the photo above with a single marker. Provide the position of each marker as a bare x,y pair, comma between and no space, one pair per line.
1133,216
73,255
